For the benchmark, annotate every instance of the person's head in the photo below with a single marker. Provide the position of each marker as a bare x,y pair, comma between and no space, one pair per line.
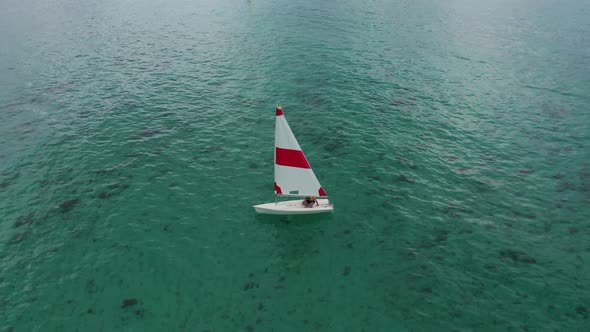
310,199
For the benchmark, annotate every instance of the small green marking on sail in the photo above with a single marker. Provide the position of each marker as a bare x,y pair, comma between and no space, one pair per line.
294,192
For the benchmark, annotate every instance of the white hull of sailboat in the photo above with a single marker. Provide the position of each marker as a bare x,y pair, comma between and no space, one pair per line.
294,207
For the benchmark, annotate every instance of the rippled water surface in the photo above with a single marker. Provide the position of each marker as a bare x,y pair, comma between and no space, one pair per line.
452,136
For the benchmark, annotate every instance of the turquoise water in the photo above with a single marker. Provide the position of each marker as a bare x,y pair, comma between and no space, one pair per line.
452,136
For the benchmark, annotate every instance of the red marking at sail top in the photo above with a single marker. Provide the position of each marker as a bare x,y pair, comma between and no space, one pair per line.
279,110
291,158
322,192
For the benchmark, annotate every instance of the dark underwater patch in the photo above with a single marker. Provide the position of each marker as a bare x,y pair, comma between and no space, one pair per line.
524,215
91,287
441,235
346,271
250,284
332,146
583,311
404,178
525,171
113,189
10,175
396,102
69,205
129,303
148,132
565,186
24,220
139,313
517,256
18,237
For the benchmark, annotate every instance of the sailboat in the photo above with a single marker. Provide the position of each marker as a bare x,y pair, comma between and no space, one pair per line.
294,177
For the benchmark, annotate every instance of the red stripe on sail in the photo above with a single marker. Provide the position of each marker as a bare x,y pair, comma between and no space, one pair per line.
279,111
322,192
278,189
291,158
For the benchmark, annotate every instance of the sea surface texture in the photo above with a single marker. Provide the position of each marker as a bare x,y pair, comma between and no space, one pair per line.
453,138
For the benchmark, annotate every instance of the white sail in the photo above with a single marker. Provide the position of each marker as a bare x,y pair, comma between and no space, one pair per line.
293,174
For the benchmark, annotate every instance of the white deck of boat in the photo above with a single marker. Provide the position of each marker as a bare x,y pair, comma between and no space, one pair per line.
294,207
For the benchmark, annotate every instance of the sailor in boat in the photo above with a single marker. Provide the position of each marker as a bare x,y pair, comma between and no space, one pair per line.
310,201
